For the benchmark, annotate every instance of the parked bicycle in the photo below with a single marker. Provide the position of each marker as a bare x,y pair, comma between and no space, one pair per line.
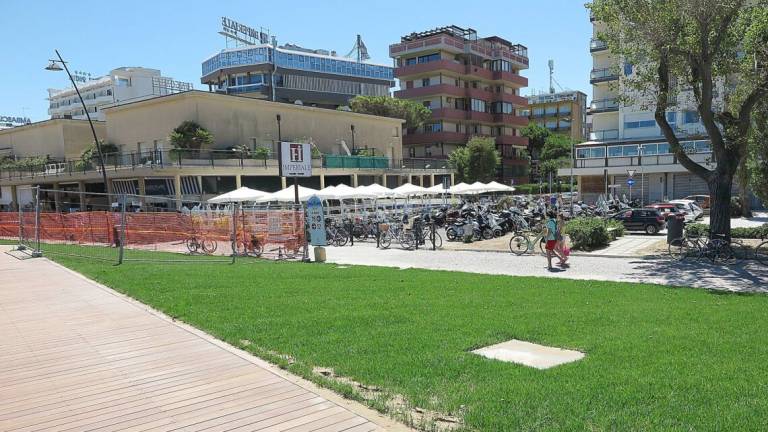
249,245
524,242
196,243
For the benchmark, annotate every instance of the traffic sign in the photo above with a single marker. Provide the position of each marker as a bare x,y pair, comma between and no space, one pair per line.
630,181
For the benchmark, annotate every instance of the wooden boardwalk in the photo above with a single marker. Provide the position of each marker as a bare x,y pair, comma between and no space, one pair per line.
75,356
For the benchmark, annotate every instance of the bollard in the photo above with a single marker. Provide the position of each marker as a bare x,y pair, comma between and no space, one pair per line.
319,252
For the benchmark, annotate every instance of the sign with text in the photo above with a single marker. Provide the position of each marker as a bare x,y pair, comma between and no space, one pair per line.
242,32
316,222
295,159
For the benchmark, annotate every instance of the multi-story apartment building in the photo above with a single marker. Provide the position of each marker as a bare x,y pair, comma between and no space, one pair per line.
293,74
563,113
625,139
472,85
124,84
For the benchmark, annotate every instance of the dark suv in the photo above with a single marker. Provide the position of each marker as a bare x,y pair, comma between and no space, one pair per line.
642,219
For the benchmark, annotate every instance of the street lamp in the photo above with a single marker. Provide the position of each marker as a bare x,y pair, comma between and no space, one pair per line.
54,67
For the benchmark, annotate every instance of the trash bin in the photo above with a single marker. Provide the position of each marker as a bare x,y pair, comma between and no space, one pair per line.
675,225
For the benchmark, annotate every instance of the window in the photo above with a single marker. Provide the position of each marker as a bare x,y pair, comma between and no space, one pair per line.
427,150
590,153
671,118
663,148
412,152
614,151
122,82
427,104
478,105
650,149
429,58
425,82
433,127
629,150
627,69
703,147
639,124
538,112
690,117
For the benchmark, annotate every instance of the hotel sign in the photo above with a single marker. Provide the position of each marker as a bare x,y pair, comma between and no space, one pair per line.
242,32
295,159
15,120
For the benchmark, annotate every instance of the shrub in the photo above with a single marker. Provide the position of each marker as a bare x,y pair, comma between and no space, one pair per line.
616,228
533,188
702,230
588,233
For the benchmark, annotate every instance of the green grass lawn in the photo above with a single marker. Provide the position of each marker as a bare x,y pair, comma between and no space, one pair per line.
658,358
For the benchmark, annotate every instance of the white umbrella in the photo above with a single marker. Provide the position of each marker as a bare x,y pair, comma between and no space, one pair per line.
478,188
239,195
458,189
377,190
326,193
438,189
287,195
498,187
408,189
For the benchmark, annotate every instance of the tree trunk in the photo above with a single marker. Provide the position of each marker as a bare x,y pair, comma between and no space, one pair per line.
720,212
746,205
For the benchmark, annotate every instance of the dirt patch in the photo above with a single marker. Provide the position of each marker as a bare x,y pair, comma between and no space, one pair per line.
397,405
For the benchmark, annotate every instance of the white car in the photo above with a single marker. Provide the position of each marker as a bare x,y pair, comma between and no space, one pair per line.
692,210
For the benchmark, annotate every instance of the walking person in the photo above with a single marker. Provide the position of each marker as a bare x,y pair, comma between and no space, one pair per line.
560,246
551,238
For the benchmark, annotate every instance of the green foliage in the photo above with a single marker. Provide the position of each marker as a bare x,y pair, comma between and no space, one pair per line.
190,136
537,137
261,152
756,164
589,233
414,113
533,188
702,230
34,163
556,147
477,161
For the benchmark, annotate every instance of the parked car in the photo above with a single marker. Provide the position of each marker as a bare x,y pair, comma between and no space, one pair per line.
641,219
694,212
702,201
668,210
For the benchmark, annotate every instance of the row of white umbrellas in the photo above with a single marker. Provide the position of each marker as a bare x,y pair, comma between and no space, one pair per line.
343,191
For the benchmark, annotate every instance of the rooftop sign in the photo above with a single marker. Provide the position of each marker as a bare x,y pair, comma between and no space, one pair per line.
15,120
242,33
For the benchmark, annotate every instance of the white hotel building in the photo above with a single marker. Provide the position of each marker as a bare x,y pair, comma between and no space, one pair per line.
121,85
626,138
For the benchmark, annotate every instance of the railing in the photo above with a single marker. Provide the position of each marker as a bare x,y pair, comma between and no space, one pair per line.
422,164
185,158
604,105
605,74
604,135
597,45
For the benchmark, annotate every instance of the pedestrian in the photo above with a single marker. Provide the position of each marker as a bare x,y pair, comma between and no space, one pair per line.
560,246
551,238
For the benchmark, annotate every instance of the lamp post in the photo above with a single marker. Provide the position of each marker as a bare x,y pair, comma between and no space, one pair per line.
352,128
54,66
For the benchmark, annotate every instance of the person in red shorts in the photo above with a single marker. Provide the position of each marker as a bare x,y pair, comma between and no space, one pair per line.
551,238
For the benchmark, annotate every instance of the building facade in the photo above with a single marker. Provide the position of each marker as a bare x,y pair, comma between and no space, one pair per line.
7,122
294,74
625,138
121,85
563,113
472,85
147,164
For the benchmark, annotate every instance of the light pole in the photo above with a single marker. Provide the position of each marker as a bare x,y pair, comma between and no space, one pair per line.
573,162
54,66
631,180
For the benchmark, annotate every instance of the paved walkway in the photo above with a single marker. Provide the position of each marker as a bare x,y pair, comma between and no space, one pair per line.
700,274
77,356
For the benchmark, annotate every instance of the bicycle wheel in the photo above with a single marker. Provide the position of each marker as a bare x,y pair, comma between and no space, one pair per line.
438,241
740,250
722,252
385,241
342,237
487,234
518,244
257,249
192,244
682,248
407,241
761,253
209,246
543,246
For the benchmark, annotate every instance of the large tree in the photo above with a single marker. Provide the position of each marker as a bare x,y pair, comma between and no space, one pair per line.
716,48
414,113
755,168
477,161
537,137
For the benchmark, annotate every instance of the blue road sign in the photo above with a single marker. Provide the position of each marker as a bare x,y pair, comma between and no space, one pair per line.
631,181
316,221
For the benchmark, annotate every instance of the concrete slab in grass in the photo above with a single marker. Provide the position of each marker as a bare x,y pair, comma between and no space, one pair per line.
529,354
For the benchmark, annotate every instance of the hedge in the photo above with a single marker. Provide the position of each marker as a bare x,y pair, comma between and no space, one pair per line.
590,233
702,230
533,188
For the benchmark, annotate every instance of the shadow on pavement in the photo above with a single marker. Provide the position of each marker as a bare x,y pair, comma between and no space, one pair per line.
741,277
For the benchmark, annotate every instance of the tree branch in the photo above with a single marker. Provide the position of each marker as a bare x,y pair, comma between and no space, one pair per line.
722,31
662,102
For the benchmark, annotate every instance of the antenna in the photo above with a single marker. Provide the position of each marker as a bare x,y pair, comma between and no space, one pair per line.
551,76
360,51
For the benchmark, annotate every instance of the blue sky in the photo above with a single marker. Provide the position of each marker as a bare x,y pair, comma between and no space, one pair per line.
175,36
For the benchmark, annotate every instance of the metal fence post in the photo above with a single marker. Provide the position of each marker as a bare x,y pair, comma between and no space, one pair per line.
123,223
37,222
432,234
305,254
234,231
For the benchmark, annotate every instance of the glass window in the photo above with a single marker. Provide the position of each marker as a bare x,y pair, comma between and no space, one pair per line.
425,82
650,149
703,147
629,150
478,105
663,148
597,152
582,153
690,117
671,118
688,146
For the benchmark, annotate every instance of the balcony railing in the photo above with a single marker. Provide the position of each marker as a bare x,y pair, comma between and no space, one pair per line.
597,45
603,75
604,105
172,158
604,135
